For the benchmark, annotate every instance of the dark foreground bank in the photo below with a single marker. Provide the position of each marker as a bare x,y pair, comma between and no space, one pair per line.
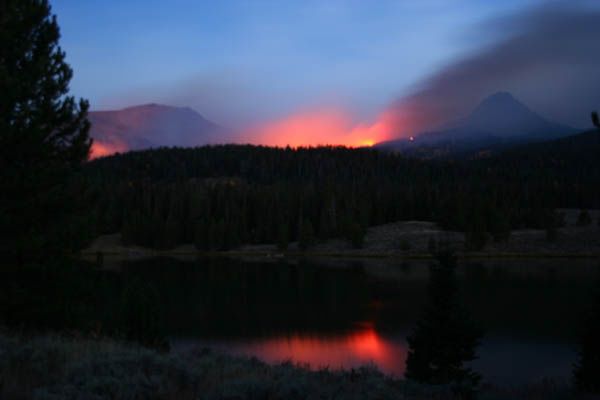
54,367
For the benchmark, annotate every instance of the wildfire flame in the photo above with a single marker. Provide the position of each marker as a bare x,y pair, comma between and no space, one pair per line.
102,149
320,127
309,128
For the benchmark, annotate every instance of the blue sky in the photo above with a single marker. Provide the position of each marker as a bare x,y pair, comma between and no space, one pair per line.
248,60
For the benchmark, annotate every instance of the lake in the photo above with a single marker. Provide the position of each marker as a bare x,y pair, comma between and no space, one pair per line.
342,314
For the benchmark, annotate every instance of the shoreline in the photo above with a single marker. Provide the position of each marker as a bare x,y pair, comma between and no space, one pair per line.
136,254
401,240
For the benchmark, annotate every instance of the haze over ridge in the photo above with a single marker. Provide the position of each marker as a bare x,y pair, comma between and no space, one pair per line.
509,52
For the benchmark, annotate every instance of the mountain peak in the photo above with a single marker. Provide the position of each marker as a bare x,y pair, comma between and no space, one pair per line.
501,96
149,107
503,115
501,102
497,118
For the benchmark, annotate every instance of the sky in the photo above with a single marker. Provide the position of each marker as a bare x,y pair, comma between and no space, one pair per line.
369,70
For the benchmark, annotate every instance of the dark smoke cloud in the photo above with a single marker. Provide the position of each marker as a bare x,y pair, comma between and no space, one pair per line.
548,57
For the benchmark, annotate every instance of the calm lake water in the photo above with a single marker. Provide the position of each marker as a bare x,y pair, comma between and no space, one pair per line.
340,314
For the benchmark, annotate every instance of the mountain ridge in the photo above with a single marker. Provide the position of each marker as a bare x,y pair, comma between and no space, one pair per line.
149,125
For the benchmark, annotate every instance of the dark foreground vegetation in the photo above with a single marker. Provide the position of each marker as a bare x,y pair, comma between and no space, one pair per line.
114,341
58,367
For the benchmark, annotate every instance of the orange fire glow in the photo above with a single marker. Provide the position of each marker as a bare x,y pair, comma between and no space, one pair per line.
101,149
345,351
322,127
309,128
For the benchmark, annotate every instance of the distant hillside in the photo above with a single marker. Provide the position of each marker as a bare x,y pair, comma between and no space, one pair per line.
498,122
147,126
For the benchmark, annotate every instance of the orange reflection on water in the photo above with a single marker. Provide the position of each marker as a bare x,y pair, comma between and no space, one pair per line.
344,351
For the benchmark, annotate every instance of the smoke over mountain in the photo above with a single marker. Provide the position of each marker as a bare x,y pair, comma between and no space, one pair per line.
545,56
548,59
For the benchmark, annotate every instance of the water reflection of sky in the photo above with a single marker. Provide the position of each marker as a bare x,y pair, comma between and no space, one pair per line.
513,361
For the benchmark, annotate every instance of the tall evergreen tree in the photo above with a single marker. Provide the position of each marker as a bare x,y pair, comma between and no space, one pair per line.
587,369
43,132
595,119
445,338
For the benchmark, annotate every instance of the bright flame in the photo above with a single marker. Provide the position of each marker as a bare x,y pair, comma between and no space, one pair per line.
368,143
101,149
322,127
309,128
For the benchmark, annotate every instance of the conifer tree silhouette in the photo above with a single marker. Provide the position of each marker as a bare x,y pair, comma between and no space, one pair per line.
445,338
587,369
43,133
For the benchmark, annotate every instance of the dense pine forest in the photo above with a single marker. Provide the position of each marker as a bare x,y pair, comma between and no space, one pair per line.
219,197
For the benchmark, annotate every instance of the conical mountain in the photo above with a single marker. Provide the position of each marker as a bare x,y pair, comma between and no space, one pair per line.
504,116
499,120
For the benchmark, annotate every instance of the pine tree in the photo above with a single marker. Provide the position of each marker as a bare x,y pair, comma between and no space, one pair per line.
445,338
141,317
43,133
587,369
595,119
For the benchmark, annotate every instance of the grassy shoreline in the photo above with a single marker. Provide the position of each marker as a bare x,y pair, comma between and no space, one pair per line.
135,253
60,367
403,240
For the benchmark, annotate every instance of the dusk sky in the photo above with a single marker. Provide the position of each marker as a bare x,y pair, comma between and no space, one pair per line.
241,63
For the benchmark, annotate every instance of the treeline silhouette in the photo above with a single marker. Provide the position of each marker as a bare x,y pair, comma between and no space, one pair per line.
219,197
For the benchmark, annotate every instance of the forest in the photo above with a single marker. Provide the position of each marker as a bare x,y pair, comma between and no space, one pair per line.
220,197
